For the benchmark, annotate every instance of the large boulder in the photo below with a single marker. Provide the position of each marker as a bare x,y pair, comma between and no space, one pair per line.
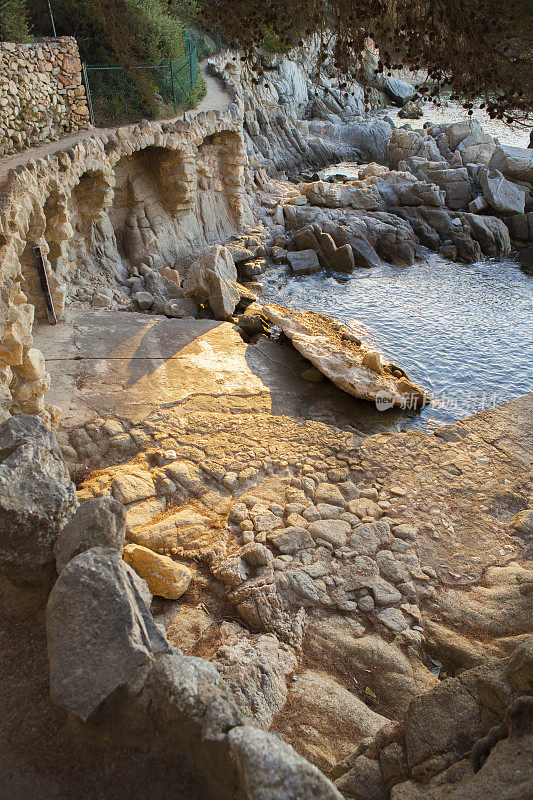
399,91
503,195
212,278
101,634
516,163
99,522
304,262
37,498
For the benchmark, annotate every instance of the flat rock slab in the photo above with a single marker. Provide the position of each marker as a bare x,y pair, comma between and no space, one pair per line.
116,363
128,364
347,363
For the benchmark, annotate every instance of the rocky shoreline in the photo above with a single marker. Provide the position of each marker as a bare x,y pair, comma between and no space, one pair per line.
241,579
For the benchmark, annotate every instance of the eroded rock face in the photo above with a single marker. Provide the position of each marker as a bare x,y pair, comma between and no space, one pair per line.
343,362
212,278
97,523
100,632
449,744
37,498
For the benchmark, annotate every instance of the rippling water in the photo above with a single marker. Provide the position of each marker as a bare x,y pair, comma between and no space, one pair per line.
465,332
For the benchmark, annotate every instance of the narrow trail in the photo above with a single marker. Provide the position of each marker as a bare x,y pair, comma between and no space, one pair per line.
216,99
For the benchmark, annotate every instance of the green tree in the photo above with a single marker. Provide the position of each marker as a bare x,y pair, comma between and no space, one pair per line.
14,21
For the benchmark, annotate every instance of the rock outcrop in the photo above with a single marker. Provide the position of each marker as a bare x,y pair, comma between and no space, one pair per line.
470,737
37,498
354,368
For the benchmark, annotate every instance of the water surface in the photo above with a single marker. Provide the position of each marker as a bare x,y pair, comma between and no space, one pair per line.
464,332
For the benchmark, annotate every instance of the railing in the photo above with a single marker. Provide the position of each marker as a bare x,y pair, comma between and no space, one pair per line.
118,95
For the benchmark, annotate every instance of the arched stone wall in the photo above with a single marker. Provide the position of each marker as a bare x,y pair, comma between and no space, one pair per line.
150,193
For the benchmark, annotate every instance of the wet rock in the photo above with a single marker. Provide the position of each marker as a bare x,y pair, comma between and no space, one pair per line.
212,278
100,632
165,577
304,262
97,523
37,498
343,259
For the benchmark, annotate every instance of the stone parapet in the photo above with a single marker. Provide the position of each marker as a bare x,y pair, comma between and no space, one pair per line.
42,96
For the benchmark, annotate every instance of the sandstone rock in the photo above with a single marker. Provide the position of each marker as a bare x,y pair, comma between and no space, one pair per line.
340,360
37,498
212,278
364,507
523,523
271,770
97,523
291,540
129,487
329,493
304,262
501,194
334,531
100,632
165,578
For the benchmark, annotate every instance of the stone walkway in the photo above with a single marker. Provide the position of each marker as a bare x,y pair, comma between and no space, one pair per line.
216,99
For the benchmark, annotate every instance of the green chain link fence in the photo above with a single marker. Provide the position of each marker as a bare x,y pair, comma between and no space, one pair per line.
122,95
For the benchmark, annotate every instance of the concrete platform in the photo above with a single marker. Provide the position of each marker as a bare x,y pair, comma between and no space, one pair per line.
115,363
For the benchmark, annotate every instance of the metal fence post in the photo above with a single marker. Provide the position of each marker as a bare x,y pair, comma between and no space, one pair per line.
191,51
173,88
88,93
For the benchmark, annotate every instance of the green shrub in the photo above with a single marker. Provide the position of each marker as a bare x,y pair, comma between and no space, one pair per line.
14,21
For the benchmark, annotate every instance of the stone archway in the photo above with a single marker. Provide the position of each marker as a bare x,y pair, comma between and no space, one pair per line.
154,188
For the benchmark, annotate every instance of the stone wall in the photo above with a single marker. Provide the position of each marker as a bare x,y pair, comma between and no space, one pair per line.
41,93
144,197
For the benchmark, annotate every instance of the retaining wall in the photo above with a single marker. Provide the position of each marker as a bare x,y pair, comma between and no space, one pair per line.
42,96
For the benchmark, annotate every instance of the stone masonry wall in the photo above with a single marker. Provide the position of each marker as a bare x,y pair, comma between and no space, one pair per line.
41,93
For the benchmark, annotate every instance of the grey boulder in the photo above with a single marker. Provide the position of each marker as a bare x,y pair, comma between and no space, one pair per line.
304,262
37,498
212,278
100,632
100,522
271,770
503,195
